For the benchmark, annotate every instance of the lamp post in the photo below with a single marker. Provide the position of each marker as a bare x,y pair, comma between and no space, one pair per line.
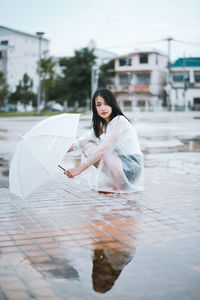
169,81
39,35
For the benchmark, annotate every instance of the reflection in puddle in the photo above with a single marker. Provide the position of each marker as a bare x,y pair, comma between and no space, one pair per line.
111,257
4,172
83,260
112,245
107,266
193,144
59,268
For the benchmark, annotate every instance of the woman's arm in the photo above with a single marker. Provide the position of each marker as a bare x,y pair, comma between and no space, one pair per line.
117,128
79,143
97,155
70,149
76,171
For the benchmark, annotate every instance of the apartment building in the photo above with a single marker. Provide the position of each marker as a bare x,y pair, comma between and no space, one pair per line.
185,84
139,80
19,53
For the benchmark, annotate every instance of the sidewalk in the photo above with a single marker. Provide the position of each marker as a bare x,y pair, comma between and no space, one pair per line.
61,243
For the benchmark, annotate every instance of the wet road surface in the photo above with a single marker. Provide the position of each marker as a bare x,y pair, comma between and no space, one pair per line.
63,243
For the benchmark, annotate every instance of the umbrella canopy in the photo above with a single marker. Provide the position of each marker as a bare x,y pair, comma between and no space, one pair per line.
40,151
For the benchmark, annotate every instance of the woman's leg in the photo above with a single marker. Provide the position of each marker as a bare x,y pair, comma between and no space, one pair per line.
88,149
112,166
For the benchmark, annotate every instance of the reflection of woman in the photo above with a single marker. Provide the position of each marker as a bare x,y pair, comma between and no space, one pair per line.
107,268
111,146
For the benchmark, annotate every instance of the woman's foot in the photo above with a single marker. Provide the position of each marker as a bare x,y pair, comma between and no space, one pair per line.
110,187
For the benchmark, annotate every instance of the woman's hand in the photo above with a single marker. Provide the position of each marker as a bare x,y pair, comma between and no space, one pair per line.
72,172
70,149
75,171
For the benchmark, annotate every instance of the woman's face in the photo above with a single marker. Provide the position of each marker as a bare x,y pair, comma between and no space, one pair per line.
103,109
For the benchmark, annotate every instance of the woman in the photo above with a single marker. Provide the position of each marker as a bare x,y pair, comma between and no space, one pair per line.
111,146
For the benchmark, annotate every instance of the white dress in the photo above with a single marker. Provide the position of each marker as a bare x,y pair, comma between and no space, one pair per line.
121,159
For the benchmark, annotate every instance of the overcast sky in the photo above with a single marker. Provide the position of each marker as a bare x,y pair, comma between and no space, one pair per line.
116,25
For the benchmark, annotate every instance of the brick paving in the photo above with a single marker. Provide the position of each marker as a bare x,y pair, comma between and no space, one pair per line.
65,243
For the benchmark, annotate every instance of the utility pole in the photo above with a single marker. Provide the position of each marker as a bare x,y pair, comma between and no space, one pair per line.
169,82
39,35
185,79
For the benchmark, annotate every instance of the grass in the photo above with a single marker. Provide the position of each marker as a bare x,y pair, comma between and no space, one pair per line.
34,114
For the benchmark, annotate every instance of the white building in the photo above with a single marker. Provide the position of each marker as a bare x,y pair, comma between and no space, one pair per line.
185,83
139,80
19,54
102,57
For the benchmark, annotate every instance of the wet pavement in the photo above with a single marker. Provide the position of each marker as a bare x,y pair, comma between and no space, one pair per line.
63,242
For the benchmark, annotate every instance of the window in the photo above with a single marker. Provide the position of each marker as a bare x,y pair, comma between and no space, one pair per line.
4,43
178,78
143,59
125,79
143,79
125,62
181,77
156,59
0,55
196,100
141,103
197,76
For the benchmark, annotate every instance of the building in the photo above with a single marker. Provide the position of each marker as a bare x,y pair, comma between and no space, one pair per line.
19,52
139,80
102,55
185,84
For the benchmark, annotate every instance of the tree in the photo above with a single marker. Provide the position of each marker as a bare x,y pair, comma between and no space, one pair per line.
106,74
75,85
48,75
24,91
3,89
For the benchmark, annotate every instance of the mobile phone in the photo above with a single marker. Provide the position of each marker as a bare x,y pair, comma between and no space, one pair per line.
61,168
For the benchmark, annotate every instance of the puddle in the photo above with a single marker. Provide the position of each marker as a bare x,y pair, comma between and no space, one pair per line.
185,162
95,277
4,172
169,144
192,144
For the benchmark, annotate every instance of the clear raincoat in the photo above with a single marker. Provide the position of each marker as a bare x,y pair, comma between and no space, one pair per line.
120,156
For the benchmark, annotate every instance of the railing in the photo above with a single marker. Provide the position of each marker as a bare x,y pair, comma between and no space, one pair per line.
130,88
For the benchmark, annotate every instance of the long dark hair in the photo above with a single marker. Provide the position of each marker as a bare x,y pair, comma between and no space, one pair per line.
97,121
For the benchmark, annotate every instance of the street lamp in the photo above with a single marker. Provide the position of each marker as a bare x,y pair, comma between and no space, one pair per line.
39,35
169,81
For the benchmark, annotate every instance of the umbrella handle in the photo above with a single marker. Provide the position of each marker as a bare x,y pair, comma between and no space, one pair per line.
77,181
61,168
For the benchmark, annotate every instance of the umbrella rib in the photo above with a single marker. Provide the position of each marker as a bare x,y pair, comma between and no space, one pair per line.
45,134
21,189
36,159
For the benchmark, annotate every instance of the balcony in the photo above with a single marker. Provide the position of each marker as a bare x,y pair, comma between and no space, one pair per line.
141,87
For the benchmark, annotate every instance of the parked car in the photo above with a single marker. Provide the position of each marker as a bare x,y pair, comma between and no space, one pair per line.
53,106
9,107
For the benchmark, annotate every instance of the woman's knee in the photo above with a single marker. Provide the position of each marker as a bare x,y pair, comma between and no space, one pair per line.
88,146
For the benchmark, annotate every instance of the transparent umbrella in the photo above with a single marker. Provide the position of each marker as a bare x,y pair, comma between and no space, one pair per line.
40,151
